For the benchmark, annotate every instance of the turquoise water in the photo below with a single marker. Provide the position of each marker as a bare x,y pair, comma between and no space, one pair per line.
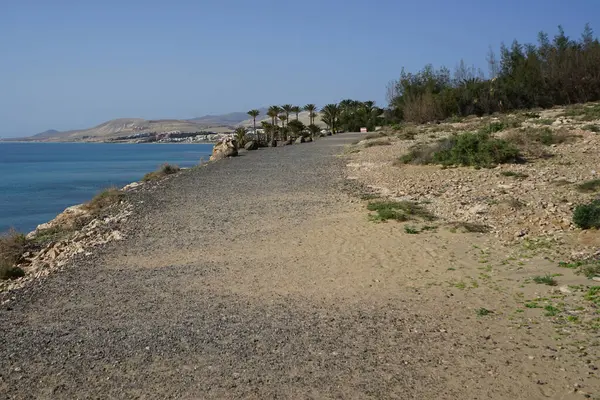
40,180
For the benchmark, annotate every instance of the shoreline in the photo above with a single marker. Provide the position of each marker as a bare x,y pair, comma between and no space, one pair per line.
55,255
263,275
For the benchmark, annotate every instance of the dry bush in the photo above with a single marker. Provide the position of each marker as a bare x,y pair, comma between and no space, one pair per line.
104,199
164,170
12,247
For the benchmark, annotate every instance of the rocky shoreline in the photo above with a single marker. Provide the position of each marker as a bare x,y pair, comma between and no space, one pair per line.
86,231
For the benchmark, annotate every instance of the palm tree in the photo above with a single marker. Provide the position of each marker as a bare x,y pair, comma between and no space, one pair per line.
296,110
240,136
288,109
311,108
273,112
254,114
283,118
330,115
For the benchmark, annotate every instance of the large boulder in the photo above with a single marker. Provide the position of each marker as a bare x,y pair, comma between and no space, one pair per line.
300,140
223,149
251,145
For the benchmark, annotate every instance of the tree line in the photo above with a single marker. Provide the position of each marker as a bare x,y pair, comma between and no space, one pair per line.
347,116
557,71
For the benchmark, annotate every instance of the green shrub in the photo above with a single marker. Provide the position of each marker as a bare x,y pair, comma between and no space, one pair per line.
587,216
398,210
475,149
545,280
589,186
468,149
12,247
493,127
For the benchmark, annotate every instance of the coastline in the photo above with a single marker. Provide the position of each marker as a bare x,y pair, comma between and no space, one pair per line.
263,276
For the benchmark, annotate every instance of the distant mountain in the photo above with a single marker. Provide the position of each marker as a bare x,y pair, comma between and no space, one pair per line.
49,132
233,118
130,126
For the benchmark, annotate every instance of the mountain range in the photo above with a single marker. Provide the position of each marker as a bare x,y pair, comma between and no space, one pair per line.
130,126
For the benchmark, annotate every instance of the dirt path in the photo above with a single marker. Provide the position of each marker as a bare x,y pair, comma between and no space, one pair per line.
259,277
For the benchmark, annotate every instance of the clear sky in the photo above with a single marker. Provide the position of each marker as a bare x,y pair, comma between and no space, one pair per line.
73,64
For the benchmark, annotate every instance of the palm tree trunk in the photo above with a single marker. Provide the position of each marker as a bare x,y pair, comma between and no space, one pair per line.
255,133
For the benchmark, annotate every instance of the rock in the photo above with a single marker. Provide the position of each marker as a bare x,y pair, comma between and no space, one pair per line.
564,289
300,140
596,278
132,185
223,149
251,145
479,209
308,139
328,133
286,142
273,143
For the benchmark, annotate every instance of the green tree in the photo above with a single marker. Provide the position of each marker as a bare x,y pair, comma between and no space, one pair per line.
313,129
296,110
288,109
296,127
254,114
273,112
240,136
330,115
283,118
312,109
269,129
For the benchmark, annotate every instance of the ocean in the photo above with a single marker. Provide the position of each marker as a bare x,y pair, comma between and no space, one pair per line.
40,180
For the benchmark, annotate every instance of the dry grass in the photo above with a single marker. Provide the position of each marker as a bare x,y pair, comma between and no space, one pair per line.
379,142
163,171
12,247
104,199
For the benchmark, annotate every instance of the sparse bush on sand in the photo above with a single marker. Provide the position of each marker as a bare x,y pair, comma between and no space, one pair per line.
587,216
467,149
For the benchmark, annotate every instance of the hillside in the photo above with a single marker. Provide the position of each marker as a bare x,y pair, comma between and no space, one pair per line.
130,126
234,118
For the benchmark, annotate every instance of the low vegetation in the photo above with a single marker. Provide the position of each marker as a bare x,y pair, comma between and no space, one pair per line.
104,199
587,216
12,247
589,267
592,128
583,112
512,174
589,186
379,142
398,211
556,71
164,170
468,149
468,227
545,280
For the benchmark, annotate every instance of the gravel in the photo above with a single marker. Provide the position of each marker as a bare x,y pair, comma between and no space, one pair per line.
113,325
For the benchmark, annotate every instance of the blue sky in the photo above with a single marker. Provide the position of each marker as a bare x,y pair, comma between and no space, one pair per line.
72,64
